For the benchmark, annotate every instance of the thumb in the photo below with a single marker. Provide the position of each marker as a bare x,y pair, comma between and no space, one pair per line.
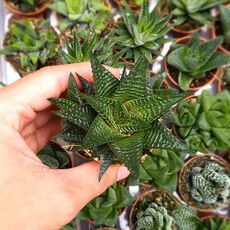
83,181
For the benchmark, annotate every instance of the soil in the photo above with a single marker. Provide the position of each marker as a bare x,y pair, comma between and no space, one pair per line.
188,26
196,82
185,188
219,32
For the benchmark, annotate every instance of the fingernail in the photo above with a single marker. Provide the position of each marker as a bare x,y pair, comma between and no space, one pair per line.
122,173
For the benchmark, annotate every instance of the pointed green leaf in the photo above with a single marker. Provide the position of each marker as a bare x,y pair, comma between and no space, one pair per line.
129,150
62,103
104,81
73,93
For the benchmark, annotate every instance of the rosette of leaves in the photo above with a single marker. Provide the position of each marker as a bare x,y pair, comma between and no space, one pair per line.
160,167
93,14
195,59
215,223
194,11
30,44
105,208
154,218
225,23
141,35
26,5
205,124
54,156
84,44
115,119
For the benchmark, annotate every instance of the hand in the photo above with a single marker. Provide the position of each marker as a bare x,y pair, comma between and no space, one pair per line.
32,196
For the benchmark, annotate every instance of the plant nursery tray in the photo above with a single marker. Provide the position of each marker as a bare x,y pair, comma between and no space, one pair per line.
9,75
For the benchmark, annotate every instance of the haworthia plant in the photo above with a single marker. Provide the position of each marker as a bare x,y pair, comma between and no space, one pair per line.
160,167
117,119
204,125
210,184
198,11
54,156
84,44
26,5
105,208
225,22
141,35
215,223
195,59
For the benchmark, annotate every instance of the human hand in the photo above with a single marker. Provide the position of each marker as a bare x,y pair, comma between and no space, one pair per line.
33,196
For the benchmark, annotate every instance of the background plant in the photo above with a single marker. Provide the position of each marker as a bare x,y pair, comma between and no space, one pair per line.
196,58
84,44
160,167
27,5
215,223
115,120
54,157
90,13
205,124
197,11
105,208
31,44
209,184
226,80
225,22
141,35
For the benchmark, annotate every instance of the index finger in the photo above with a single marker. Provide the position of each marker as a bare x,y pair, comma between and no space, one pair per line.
47,82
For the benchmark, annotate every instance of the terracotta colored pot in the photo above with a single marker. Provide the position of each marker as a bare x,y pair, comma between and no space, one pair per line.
214,34
27,14
174,81
184,195
213,216
147,195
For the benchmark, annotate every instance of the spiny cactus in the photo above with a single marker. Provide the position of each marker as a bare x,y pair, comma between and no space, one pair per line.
186,218
210,184
154,218
117,120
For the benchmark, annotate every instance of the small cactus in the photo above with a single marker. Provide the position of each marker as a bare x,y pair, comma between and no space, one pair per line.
210,184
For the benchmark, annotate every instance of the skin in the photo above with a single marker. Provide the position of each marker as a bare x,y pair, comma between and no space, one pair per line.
33,196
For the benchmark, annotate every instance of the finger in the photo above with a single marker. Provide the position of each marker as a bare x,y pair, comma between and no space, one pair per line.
34,89
86,179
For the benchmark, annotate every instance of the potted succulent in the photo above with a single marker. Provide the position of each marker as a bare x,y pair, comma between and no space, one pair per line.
116,119
222,27
213,222
141,35
204,123
93,14
30,45
192,64
160,167
158,209
27,8
105,208
224,81
190,16
204,182
83,44
54,156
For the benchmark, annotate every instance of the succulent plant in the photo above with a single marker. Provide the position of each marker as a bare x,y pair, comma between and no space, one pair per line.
90,13
225,23
198,11
154,218
204,125
226,80
141,35
195,59
54,156
186,218
105,208
160,167
84,44
215,223
115,120
210,184
31,44
26,5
